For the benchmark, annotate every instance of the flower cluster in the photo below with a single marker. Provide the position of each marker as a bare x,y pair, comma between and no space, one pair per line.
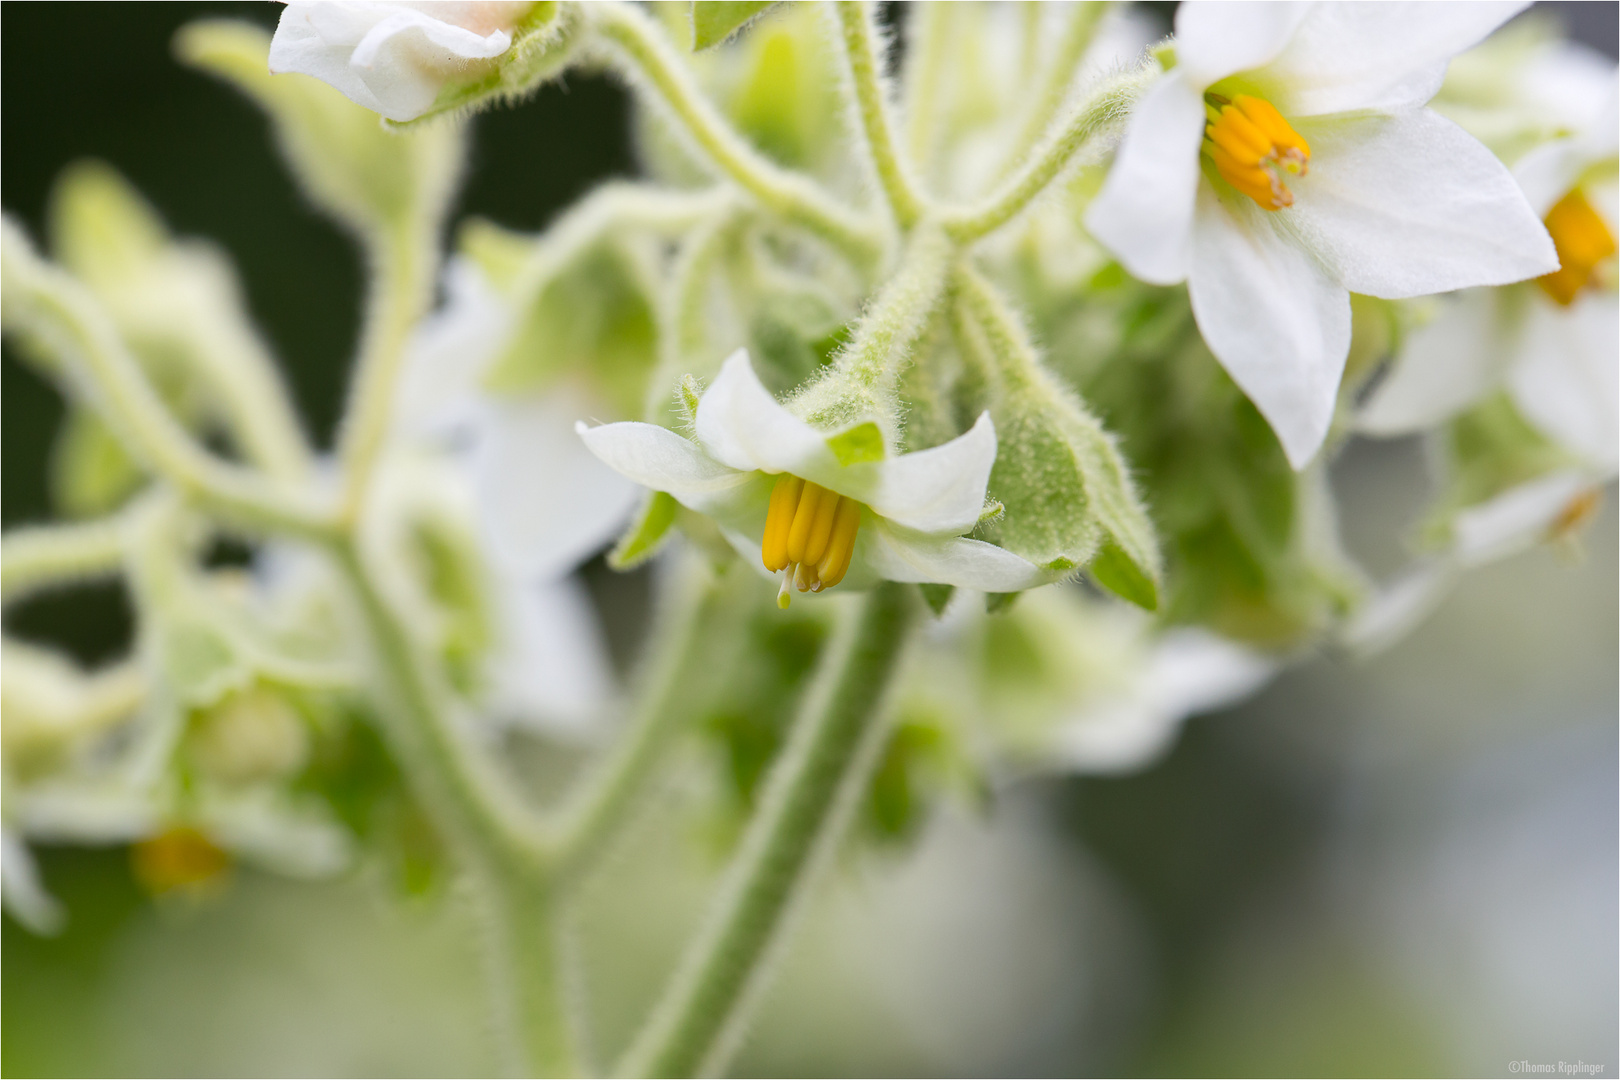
1046,358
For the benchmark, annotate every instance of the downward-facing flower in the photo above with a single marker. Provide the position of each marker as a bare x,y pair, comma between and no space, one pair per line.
820,508
1286,161
394,58
1551,344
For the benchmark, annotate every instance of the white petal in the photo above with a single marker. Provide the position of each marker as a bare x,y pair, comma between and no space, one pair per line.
939,490
546,502
1276,322
658,458
449,353
1516,519
391,58
317,39
1144,212
1410,204
25,896
1188,672
1216,40
897,554
1567,378
1392,612
1385,56
1443,367
550,670
740,423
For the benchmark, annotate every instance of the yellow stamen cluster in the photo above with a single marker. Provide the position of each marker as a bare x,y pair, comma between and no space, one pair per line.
179,858
1575,514
1583,240
809,536
1252,145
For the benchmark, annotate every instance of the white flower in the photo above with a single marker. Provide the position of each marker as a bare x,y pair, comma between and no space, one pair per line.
1555,344
392,57
757,469
1286,161
543,503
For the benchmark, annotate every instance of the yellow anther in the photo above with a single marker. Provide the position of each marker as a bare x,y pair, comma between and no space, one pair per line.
809,536
1251,146
779,520
1583,241
1575,514
178,858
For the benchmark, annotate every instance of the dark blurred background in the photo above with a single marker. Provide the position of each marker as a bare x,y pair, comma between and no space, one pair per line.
1400,866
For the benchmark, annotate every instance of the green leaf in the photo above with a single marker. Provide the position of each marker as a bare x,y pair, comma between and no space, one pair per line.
863,442
646,533
713,21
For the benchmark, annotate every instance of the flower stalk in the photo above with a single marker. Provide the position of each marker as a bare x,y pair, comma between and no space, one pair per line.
812,788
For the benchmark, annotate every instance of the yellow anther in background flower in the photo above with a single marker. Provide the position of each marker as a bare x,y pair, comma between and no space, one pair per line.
178,858
809,536
1583,240
1252,145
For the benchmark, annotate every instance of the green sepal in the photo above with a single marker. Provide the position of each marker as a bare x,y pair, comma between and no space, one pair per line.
997,602
938,597
1118,573
646,532
861,443
713,21
542,48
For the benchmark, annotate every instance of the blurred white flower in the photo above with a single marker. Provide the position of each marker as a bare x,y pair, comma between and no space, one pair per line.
784,496
1286,161
392,57
544,504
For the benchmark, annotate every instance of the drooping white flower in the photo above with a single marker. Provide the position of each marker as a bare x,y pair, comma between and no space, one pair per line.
543,503
783,497
1286,161
1554,345
392,56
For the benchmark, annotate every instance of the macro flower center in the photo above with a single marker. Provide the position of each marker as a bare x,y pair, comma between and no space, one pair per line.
1583,240
1252,146
179,858
809,536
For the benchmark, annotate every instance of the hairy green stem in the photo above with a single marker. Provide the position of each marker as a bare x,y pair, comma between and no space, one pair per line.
1102,112
523,939
859,34
401,292
665,703
1080,29
826,763
861,382
644,52
926,63
64,318
40,556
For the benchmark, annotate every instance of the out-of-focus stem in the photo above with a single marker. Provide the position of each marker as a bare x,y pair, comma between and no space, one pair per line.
859,36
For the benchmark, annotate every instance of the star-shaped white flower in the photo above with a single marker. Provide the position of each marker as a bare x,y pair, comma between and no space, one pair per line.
756,468
1286,161
392,57
1553,345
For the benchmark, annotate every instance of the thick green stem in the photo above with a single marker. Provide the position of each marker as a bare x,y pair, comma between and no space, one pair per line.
1102,112
523,939
859,34
828,760
665,703
401,293
648,56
